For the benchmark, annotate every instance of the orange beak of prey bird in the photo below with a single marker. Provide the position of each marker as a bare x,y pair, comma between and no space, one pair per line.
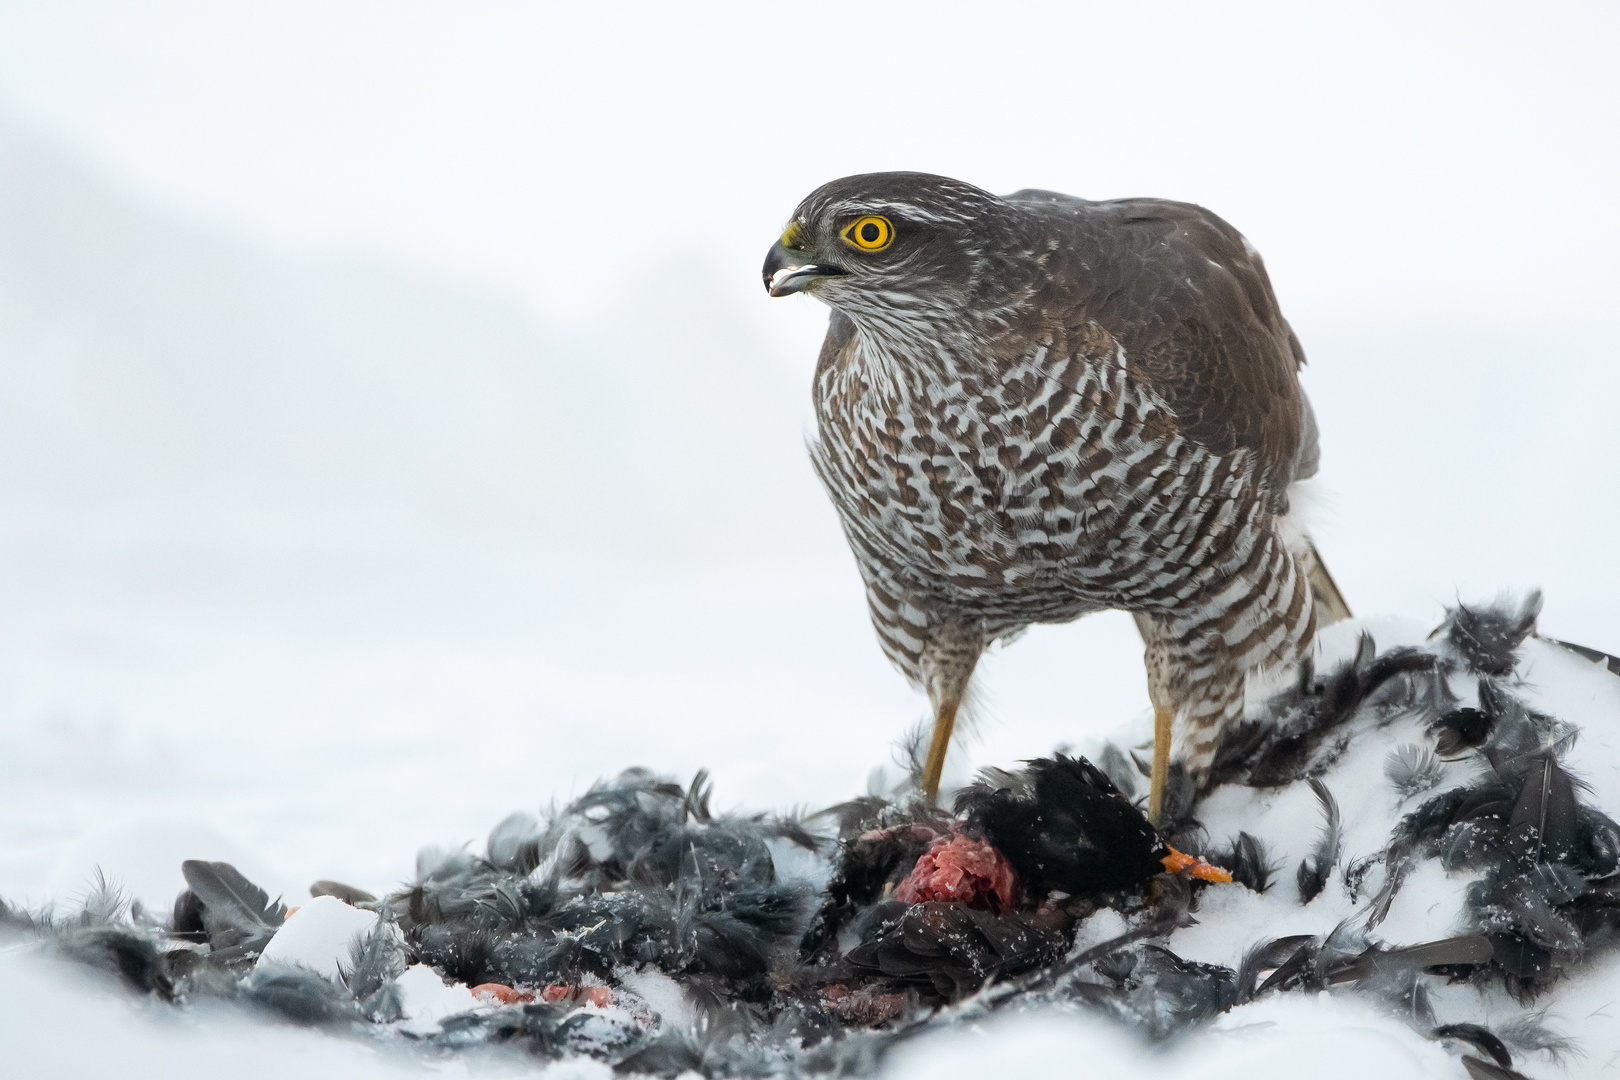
1033,406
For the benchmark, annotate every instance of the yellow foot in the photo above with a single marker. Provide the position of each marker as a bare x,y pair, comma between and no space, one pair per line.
1195,866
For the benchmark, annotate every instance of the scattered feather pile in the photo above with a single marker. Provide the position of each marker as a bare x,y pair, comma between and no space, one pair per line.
638,927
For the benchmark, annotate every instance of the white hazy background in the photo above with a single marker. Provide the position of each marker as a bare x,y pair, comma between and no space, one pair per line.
394,431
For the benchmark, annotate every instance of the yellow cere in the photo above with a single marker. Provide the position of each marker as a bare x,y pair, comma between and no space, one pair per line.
869,233
793,235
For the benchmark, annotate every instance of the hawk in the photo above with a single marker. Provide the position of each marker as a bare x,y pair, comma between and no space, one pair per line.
1036,406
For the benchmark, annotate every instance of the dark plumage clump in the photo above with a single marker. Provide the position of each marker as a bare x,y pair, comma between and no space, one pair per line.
638,873
1290,747
635,872
1066,828
876,850
1061,827
1487,639
1246,859
1156,992
1547,898
301,996
1460,730
947,950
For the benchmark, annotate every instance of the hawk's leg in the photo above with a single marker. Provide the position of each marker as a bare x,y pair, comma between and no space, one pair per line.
1156,655
1199,658
1161,765
944,727
947,662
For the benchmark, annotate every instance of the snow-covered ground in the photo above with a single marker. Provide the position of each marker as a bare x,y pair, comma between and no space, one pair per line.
309,559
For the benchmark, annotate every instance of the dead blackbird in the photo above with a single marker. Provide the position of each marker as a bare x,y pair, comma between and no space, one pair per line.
1065,827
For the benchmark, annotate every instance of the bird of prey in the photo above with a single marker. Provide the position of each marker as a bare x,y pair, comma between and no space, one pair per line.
1036,406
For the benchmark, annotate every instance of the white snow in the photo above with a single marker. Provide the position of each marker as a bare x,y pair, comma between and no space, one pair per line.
326,406
1280,1036
59,1021
319,936
663,995
427,999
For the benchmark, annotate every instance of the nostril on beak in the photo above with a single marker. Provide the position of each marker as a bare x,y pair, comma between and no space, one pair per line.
775,261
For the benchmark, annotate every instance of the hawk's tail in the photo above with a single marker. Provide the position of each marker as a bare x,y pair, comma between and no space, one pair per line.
1330,603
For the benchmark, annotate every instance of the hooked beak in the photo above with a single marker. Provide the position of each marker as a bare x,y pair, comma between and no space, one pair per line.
785,275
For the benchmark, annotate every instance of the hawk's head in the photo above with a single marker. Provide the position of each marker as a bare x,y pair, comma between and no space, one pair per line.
893,245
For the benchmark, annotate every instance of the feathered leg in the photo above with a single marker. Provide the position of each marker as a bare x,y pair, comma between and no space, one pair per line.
1199,657
947,662
1156,656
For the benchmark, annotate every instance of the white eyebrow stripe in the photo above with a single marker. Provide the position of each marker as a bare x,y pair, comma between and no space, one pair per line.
908,211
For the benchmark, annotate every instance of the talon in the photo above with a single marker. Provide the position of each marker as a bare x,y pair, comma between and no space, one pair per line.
1195,866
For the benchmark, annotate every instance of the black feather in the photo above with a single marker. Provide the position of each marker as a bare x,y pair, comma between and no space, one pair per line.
1607,662
1268,956
1480,1069
375,961
1314,868
347,893
671,1054
132,956
1487,638
867,865
1461,729
1247,860
1293,971
237,914
1460,950
186,923
1480,1038
1543,824
1531,1032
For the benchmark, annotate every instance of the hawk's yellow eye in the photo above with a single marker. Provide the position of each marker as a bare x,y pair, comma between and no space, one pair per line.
870,233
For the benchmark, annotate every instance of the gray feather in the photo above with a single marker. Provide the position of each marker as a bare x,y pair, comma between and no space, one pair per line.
1314,868
236,913
1412,769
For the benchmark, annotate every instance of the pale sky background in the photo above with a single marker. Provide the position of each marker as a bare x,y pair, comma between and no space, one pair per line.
390,408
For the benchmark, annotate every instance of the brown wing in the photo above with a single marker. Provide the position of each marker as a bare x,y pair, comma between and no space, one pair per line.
1191,303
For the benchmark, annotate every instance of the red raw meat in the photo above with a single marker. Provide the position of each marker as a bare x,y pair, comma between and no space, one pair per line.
969,871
